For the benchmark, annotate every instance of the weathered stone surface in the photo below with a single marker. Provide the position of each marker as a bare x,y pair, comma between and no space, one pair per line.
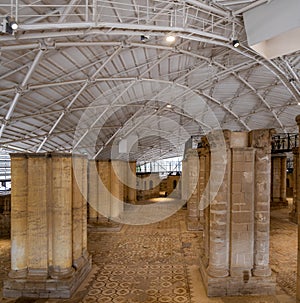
278,183
236,225
48,204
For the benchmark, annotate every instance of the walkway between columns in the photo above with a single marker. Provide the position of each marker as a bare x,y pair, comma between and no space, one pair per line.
159,263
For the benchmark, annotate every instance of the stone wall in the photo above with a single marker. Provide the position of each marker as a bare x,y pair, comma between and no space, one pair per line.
171,186
148,186
235,258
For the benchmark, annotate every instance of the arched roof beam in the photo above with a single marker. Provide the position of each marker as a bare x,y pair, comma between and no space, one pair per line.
133,80
20,90
236,75
87,82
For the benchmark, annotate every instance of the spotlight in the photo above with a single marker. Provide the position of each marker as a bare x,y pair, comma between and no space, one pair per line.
236,43
9,25
170,38
14,25
144,38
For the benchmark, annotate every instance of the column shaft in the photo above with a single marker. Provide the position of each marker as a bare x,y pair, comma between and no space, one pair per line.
296,186
77,209
298,215
132,182
117,188
104,187
19,202
283,180
204,203
62,216
242,218
84,206
193,202
93,191
218,234
37,217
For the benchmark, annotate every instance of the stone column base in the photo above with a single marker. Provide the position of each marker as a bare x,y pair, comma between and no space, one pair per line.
49,288
194,224
237,286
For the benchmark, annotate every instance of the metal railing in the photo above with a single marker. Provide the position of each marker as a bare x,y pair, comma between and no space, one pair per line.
282,143
163,167
159,13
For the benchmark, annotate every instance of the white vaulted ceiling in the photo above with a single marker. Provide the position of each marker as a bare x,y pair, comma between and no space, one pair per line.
76,76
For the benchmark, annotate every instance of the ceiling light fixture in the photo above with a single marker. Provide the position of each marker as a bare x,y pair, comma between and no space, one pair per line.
235,43
9,25
144,38
170,38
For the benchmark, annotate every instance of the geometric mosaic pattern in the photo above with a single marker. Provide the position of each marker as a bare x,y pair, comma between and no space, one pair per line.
142,263
152,263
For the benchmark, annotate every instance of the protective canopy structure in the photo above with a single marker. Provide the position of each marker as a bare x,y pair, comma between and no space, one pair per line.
83,74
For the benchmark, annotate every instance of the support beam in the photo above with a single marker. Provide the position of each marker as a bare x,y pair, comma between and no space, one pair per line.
18,94
77,95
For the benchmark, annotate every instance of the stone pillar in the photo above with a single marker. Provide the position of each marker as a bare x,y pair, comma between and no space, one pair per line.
131,179
62,218
184,182
242,211
38,179
92,191
54,219
193,219
297,185
205,205
201,183
117,188
84,192
104,194
19,193
124,179
237,224
278,189
77,210
218,265
260,140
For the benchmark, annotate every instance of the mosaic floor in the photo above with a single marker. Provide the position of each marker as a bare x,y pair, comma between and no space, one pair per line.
159,263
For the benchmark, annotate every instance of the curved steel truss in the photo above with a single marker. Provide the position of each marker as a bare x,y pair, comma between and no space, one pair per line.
110,59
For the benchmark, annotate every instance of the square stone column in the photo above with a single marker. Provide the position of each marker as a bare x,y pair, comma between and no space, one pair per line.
131,185
296,187
278,181
92,191
19,198
49,256
117,188
260,140
192,166
104,188
184,182
237,219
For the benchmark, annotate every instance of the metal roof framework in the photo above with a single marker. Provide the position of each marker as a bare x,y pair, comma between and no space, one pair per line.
78,77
